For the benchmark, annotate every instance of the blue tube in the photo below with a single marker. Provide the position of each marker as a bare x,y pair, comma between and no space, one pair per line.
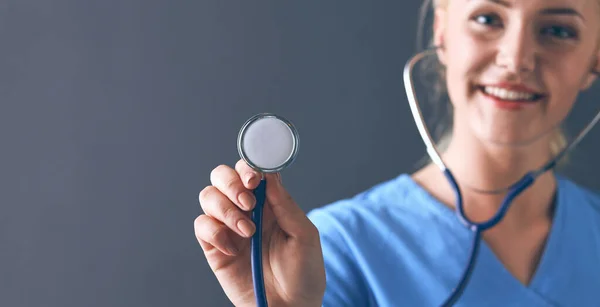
478,228
514,191
256,245
464,280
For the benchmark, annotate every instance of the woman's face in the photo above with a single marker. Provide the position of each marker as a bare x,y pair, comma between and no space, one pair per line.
515,67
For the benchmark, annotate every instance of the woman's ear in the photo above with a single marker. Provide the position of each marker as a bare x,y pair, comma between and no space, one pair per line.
593,74
439,32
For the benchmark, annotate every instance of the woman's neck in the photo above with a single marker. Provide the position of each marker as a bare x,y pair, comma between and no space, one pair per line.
519,238
477,165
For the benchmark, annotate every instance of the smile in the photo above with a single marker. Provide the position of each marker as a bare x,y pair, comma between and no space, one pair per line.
514,97
508,94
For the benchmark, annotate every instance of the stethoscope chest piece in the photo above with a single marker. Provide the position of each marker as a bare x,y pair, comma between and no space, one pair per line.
268,142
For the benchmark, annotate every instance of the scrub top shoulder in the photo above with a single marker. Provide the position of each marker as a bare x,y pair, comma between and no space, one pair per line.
396,245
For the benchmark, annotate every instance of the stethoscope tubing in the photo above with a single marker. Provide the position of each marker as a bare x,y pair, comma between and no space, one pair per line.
468,271
478,228
256,245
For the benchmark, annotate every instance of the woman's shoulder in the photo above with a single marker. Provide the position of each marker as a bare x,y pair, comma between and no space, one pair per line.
402,202
571,191
398,201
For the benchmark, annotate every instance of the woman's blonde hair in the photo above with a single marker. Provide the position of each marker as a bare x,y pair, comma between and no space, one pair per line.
434,73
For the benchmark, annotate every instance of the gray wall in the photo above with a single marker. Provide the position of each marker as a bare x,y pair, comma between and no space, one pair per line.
113,113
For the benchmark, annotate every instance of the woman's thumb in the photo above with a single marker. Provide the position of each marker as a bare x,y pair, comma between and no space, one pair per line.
288,214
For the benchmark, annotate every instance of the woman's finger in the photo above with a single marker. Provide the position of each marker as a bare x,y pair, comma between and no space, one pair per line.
211,234
219,207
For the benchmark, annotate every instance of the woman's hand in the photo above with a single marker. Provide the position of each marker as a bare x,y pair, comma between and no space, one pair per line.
294,273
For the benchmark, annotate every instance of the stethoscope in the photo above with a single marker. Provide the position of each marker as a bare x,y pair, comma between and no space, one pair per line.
269,143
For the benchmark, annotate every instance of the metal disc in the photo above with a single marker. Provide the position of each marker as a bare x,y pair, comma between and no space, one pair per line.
268,142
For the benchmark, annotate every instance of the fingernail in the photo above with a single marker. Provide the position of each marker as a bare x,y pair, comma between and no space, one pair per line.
246,227
247,200
249,177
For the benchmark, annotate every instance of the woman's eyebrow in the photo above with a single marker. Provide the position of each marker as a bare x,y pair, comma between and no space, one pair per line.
546,11
561,11
501,2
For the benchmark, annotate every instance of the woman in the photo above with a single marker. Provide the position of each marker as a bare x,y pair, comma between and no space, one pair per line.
513,69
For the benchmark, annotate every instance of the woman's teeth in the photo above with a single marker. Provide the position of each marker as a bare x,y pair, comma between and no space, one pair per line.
505,94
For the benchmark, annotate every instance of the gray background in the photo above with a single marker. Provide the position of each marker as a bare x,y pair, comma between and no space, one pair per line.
113,113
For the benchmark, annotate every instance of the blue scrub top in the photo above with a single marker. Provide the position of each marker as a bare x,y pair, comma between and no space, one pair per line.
396,245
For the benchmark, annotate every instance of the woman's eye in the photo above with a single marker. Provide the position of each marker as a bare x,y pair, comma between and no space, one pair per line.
488,20
559,32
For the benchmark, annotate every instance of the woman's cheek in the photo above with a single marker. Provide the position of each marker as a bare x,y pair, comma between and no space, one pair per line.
463,72
563,84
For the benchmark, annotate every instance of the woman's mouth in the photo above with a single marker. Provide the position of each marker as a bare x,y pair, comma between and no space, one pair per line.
511,97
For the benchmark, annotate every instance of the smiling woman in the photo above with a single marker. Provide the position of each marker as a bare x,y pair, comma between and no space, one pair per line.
512,70
553,30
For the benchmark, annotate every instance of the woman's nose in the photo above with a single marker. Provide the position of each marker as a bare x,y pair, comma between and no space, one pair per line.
516,52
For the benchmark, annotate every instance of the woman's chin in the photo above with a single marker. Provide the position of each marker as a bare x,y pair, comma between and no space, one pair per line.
509,137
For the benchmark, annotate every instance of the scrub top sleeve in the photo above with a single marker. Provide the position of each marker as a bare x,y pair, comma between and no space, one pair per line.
345,286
